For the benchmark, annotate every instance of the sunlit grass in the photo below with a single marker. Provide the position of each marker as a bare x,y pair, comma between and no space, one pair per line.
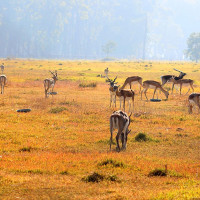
66,137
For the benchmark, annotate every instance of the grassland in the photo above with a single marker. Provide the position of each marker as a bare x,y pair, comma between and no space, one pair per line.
50,152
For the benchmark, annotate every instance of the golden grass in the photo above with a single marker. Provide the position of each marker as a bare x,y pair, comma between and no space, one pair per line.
45,154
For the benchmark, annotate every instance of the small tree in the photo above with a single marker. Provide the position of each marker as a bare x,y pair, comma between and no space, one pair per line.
109,47
193,49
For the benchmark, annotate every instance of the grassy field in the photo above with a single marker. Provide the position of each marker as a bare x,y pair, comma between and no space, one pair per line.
51,152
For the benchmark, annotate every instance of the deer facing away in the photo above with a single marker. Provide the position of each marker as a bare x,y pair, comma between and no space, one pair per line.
119,120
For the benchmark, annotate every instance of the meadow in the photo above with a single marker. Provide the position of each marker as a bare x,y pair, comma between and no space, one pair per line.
50,152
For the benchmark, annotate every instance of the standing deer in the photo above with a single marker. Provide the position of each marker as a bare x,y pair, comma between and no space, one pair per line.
106,72
50,83
112,91
119,120
193,99
154,85
182,82
167,78
133,80
3,81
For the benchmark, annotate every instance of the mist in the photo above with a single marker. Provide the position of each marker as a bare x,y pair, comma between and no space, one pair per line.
97,29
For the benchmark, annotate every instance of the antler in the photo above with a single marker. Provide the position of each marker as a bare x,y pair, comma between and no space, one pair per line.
51,72
115,79
178,70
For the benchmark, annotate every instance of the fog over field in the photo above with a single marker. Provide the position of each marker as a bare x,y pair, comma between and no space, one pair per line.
95,29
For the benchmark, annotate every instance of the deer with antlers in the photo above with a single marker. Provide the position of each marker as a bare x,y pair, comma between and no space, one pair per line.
125,95
168,78
132,81
193,100
3,81
153,85
120,120
112,90
50,83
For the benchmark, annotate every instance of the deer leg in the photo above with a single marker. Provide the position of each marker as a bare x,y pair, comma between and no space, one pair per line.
115,100
117,140
172,88
124,103
111,141
130,85
192,87
145,91
180,88
187,91
154,92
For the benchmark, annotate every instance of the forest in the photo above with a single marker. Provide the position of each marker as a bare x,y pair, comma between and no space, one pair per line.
97,29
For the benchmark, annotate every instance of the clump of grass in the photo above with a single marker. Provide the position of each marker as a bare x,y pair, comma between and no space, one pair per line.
60,64
64,172
35,171
95,177
158,172
113,178
84,85
112,163
140,137
57,109
25,149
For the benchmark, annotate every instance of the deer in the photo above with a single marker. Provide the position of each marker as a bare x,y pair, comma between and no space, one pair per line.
112,90
154,85
120,120
182,82
50,83
193,100
167,78
106,72
3,81
125,95
133,80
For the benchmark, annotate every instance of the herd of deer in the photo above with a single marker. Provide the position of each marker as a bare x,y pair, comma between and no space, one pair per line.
119,119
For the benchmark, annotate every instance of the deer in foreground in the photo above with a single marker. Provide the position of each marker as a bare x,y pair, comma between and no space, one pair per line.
133,80
154,85
193,100
3,81
181,83
167,78
50,83
120,120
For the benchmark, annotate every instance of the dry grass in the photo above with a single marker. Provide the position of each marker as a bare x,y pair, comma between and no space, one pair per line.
46,153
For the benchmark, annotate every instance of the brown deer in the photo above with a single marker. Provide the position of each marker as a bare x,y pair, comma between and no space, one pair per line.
112,90
154,85
181,83
132,80
119,120
3,81
50,83
193,100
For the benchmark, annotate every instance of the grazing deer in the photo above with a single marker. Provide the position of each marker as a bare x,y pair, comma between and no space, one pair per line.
3,81
106,72
132,80
193,99
154,85
119,120
167,78
182,82
50,83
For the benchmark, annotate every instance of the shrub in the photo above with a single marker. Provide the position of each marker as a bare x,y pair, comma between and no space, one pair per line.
57,109
28,149
112,162
158,172
141,137
113,178
87,85
64,172
95,177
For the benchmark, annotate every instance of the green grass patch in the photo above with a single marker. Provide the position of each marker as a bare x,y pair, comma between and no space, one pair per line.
84,85
57,110
111,162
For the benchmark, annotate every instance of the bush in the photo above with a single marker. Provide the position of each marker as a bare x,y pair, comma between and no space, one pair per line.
28,149
87,85
141,137
158,172
95,177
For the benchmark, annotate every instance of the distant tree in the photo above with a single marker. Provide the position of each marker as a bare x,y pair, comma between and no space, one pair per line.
108,48
193,49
